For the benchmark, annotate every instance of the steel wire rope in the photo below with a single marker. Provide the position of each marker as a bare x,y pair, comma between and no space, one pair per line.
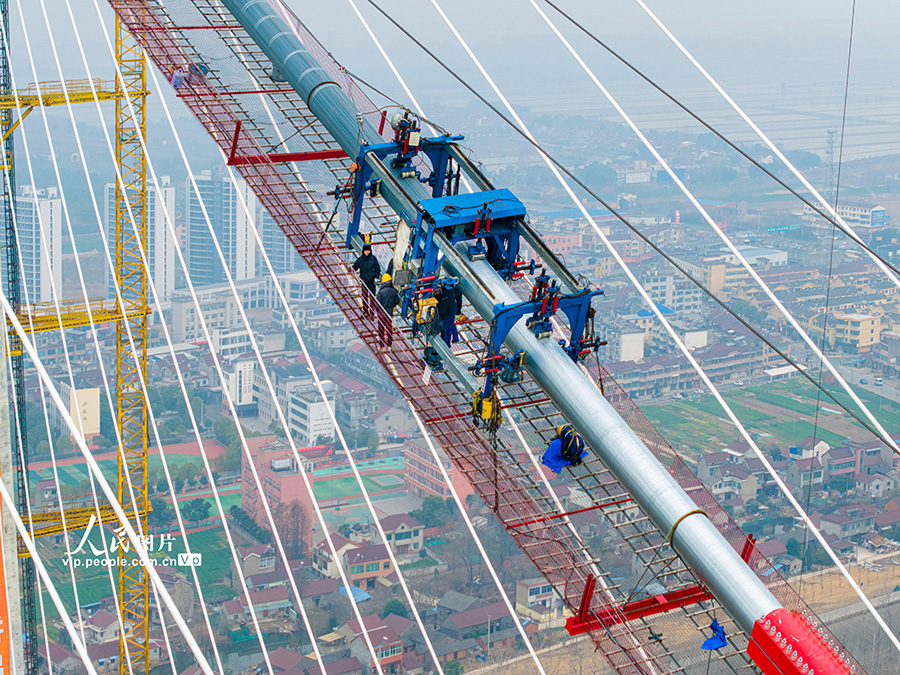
838,219
267,379
131,533
509,417
721,136
837,193
824,360
55,298
669,329
669,259
718,230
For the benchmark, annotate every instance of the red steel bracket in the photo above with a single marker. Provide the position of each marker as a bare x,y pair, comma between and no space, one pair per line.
277,157
786,643
586,620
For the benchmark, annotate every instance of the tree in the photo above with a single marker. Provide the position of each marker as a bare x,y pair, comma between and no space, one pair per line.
292,522
435,512
453,667
225,431
373,442
63,444
394,606
196,509
162,514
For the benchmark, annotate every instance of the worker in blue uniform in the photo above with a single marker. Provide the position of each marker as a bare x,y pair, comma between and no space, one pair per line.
567,449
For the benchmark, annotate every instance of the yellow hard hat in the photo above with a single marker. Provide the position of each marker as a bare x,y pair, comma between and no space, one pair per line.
386,278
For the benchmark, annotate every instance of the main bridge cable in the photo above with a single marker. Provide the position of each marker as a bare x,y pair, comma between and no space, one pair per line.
718,134
884,438
766,463
840,222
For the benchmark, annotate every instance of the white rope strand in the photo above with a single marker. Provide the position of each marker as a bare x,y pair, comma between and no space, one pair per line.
829,208
129,530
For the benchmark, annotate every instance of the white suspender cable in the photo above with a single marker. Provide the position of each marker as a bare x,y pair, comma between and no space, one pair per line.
55,297
725,239
318,382
828,207
484,556
132,535
658,314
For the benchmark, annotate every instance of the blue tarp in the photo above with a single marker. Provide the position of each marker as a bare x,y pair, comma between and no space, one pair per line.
554,459
717,641
358,594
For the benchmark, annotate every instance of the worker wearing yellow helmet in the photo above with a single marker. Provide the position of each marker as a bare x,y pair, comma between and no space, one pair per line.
566,449
388,298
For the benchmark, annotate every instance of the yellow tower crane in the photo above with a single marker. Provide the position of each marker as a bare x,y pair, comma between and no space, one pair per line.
129,91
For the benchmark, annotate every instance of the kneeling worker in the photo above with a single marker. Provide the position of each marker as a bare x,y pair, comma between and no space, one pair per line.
567,449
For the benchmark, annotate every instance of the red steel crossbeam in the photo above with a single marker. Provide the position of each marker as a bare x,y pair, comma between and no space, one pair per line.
533,521
277,157
586,620
787,643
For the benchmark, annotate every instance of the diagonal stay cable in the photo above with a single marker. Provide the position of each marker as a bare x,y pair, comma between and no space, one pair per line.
718,134
621,218
668,328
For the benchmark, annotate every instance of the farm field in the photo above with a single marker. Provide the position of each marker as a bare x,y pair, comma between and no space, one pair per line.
781,413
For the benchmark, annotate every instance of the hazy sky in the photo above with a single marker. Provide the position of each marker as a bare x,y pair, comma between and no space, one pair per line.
795,44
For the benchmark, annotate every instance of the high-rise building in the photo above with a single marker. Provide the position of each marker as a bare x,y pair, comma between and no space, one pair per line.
282,254
39,226
229,210
160,244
